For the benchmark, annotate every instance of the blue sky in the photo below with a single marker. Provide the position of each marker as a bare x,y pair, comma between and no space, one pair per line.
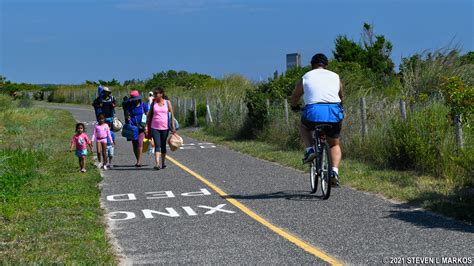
70,41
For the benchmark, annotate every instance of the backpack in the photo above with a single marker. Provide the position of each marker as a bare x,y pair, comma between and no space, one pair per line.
176,123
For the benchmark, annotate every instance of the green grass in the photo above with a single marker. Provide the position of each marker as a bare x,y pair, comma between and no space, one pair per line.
438,195
49,212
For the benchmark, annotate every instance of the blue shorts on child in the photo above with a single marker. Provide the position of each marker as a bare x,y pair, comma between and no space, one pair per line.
81,153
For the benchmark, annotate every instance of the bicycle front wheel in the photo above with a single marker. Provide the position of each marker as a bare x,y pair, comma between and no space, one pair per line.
325,174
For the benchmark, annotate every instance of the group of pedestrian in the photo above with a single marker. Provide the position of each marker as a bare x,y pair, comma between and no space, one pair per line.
154,120
321,89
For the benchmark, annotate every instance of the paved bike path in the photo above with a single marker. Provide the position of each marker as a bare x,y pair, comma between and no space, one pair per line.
351,226
152,222
354,226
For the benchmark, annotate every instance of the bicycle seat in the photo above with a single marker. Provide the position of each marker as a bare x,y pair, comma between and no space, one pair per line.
321,126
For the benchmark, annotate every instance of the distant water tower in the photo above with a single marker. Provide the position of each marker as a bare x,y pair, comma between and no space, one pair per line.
293,60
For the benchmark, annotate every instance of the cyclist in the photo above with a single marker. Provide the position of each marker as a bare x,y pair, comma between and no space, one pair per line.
322,92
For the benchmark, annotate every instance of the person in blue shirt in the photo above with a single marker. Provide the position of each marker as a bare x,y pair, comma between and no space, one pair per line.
136,109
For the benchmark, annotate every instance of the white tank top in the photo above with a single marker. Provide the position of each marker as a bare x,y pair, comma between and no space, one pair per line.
321,86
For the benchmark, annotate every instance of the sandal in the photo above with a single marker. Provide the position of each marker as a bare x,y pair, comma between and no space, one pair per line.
138,165
156,168
163,166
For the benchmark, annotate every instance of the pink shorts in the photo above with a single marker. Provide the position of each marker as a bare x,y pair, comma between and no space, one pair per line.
102,140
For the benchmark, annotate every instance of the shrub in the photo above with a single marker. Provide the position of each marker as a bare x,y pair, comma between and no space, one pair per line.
459,98
25,102
257,114
56,97
38,96
5,102
423,142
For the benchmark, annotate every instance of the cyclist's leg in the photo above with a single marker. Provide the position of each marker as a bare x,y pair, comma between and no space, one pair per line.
333,140
336,153
306,134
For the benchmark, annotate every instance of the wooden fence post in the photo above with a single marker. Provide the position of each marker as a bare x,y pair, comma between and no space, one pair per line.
403,109
268,107
185,110
178,106
457,122
241,113
195,112
218,113
286,114
363,117
208,112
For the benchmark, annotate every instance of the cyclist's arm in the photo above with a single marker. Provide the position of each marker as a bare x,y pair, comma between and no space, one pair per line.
297,93
341,90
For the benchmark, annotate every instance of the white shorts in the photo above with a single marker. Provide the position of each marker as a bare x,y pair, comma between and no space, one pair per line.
110,151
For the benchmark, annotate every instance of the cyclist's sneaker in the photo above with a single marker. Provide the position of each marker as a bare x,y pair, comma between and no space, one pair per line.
309,155
335,180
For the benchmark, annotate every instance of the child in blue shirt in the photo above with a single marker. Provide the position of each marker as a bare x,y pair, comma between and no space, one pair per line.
110,147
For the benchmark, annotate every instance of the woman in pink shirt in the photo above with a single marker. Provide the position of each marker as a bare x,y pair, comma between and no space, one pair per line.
100,135
159,126
81,141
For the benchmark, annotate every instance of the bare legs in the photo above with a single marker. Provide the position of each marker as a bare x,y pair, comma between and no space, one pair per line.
82,162
138,148
102,152
334,144
157,159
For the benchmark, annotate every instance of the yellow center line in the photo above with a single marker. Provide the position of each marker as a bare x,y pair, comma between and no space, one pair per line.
295,240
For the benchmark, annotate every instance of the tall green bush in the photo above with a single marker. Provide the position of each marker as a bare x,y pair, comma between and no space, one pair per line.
460,98
423,142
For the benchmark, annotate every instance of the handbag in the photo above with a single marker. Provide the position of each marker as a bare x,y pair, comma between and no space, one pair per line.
143,120
130,132
175,142
116,124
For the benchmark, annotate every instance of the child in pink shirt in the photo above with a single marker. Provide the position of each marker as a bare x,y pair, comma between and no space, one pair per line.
100,135
81,141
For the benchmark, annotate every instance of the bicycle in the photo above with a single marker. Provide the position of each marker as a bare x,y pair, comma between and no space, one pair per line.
320,168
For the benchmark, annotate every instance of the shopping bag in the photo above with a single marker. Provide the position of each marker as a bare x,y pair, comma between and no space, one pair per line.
175,142
146,145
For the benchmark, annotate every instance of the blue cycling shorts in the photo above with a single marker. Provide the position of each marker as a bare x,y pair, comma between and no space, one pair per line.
323,112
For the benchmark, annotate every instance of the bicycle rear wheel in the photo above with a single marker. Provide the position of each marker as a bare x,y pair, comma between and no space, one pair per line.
325,171
313,176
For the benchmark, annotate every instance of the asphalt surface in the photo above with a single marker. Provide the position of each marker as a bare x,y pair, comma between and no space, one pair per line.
154,219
